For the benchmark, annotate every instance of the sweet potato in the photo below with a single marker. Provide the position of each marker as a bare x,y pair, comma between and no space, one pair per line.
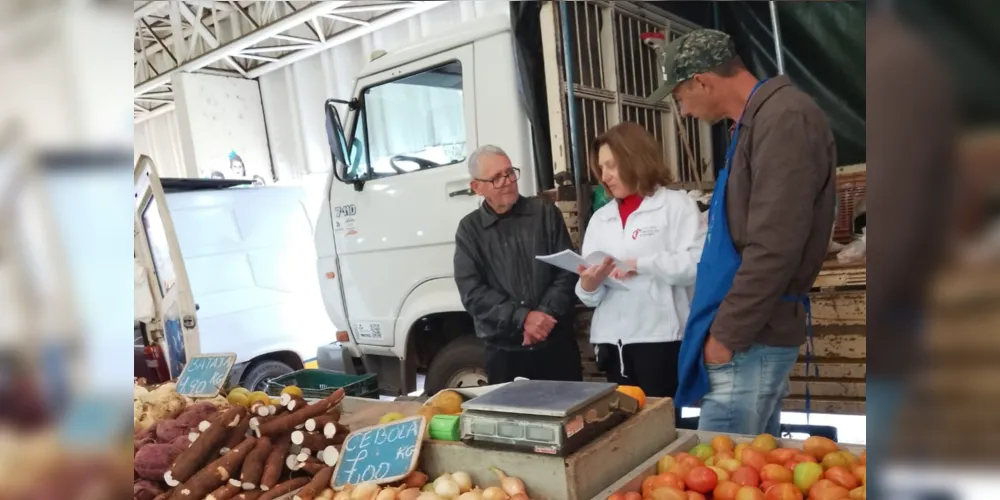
145,489
194,414
154,460
169,430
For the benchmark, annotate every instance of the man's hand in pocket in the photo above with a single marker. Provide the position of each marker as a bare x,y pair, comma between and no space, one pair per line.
716,353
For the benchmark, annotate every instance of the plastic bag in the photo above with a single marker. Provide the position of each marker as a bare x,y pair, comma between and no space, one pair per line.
854,251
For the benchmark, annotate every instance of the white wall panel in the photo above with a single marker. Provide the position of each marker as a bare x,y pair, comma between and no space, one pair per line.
224,116
159,138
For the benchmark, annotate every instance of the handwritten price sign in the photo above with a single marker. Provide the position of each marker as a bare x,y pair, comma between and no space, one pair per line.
380,454
205,375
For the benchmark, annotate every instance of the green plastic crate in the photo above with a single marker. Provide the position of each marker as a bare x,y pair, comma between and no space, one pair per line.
318,383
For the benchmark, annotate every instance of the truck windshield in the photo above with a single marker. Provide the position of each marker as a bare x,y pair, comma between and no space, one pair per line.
413,123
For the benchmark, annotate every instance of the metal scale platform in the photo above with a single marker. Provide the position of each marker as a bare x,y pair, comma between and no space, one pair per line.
544,417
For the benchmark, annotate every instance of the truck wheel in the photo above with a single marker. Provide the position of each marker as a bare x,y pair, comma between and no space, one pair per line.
461,363
255,378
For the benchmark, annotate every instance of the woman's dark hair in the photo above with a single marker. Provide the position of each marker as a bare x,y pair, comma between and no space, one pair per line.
639,157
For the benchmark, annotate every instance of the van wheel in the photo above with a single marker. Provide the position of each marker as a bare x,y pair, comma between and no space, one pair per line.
255,379
461,363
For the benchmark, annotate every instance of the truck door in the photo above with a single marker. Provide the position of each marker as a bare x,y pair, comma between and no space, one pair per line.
176,307
403,185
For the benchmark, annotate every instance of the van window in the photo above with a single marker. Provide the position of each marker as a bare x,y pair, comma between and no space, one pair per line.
413,123
156,235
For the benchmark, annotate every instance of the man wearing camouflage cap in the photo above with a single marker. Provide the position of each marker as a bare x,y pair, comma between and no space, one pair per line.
770,221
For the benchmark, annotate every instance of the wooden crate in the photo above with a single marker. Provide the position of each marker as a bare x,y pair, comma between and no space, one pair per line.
685,441
578,476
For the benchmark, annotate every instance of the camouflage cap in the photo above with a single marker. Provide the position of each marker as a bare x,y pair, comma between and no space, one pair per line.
699,51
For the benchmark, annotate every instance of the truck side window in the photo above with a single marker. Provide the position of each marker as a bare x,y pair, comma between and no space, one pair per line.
413,123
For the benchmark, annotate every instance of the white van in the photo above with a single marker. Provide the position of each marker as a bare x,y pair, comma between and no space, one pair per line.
231,269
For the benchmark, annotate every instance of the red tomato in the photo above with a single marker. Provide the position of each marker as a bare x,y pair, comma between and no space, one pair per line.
754,458
668,493
790,465
818,486
647,486
617,496
633,496
783,491
803,457
694,495
766,485
680,469
701,479
668,479
830,493
746,476
842,477
726,490
692,461
781,455
776,473
749,493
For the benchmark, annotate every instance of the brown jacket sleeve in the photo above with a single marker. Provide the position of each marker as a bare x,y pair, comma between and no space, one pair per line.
786,174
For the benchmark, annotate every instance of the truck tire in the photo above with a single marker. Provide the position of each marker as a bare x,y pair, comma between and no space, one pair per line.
256,377
460,363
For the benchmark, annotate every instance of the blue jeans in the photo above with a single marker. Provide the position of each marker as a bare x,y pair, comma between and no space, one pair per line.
745,394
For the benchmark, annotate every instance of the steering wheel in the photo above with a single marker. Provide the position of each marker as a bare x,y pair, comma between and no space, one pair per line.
422,163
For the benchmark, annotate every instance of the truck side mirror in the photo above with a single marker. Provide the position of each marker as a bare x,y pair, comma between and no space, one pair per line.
337,140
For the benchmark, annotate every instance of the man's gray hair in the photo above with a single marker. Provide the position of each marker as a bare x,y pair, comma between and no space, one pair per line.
484,150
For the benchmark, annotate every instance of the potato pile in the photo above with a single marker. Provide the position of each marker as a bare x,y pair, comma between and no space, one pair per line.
161,403
263,452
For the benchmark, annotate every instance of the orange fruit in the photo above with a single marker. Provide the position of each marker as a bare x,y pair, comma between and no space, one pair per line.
635,392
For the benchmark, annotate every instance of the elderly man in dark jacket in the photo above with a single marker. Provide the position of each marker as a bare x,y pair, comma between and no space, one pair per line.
522,308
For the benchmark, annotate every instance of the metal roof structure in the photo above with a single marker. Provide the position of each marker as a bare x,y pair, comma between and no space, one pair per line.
243,39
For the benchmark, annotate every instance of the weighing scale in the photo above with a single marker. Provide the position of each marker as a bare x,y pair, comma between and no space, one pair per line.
544,417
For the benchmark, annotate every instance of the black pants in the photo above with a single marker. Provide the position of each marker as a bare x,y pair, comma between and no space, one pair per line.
559,360
651,367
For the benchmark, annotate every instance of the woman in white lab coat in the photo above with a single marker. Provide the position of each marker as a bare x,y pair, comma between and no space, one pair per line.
656,236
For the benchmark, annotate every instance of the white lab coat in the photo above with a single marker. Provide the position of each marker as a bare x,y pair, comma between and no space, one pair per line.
665,235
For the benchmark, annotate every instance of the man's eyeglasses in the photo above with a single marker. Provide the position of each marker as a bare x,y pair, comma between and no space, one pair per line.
501,180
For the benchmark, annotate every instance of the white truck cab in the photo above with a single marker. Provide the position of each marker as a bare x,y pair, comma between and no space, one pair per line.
230,269
400,186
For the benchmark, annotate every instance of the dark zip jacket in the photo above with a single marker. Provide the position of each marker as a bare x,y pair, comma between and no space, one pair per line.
499,279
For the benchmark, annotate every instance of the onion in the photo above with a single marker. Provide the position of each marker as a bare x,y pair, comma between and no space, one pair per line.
447,488
416,479
510,485
430,495
519,496
494,493
409,494
443,477
475,494
365,491
463,479
387,494
342,495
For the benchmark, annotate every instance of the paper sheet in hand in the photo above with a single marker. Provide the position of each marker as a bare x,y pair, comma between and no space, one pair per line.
570,260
